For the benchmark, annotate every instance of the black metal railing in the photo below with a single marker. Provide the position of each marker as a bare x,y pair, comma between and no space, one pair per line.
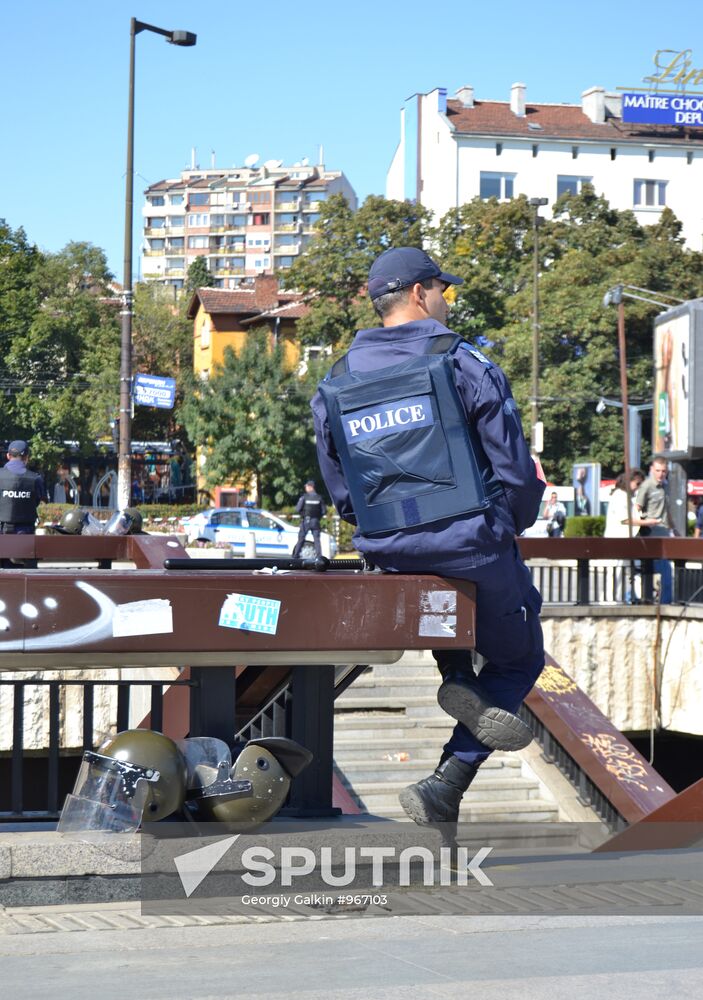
33,783
585,582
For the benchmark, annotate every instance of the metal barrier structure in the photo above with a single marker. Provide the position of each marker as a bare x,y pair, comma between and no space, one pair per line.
612,570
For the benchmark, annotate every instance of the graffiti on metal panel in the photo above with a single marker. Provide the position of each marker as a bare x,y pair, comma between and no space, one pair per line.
99,627
620,760
553,680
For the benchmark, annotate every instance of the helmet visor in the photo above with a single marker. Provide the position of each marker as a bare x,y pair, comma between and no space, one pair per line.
206,757
109,796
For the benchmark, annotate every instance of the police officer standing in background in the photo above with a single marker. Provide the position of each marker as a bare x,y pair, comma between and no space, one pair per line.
311,508
428,459
21,492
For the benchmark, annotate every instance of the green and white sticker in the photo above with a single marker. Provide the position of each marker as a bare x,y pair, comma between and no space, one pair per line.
250,614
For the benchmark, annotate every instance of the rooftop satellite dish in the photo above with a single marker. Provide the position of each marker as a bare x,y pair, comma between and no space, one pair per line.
273,164
251,160
304,162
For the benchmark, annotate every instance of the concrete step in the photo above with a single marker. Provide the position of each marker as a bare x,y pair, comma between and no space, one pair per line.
381,773
356,727
389,687
407,671
531,811
486,790
419,747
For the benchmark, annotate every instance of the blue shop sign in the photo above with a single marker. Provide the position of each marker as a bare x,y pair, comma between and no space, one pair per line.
663,109
154,390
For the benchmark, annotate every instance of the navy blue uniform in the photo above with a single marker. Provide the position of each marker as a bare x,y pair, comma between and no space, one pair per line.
479,546
21,492
311,507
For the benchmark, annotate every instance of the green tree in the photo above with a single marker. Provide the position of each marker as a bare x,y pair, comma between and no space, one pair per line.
252,417
583,250
64,363
199,276
334,267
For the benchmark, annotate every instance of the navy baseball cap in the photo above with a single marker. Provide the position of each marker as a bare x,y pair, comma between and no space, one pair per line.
403,266
19,446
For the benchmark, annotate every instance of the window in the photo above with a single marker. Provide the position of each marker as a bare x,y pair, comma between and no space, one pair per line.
174,220
258,520
650,194
260,218
574,152
197,242
176,243
156,222
535,149
157,244
499,148
571,184
199,219
285,262
174,264
651,156
217,220
259,197
176,199
496,185
231,517
199,198
205,334
157,199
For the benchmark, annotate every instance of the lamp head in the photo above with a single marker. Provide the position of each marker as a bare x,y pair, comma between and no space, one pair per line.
184,38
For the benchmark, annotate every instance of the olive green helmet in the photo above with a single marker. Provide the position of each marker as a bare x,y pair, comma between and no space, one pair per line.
254,789
72,521
124,522
145,748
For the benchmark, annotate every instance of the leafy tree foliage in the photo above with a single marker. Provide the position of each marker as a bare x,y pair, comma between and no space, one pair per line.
253,419
61,358
586,248
334,268
198,276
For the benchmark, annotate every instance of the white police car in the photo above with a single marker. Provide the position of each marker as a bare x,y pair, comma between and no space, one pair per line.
232,525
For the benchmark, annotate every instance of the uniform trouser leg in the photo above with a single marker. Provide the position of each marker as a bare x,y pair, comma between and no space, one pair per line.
301,539
508,636
316,541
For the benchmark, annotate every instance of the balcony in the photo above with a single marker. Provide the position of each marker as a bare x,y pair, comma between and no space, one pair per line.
287,248
286,227
174,272
154,230
288,206
153,253
224,272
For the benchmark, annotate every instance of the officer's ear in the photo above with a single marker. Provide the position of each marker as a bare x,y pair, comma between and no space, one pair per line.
418,294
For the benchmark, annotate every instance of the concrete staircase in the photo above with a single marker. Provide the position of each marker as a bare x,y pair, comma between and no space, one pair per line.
389,732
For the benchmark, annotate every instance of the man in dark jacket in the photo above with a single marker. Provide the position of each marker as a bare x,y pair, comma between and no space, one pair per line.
21,492
407,289
311,508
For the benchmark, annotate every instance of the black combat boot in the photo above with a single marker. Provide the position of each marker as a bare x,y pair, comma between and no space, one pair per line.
462,697
435,800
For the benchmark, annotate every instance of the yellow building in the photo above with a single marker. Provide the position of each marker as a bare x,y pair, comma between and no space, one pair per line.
223,318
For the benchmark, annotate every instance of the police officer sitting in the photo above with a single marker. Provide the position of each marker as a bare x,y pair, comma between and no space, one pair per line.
21,492
311,507
421,446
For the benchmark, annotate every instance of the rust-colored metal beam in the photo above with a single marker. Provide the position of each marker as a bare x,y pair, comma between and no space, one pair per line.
607,757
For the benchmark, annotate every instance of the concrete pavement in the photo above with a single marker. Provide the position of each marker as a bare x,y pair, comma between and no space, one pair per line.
369,958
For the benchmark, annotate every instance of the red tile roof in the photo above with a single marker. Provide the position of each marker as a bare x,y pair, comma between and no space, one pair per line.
557,121
263,298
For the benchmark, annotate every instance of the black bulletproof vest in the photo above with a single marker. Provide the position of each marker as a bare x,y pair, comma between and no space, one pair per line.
312,507
409,455
18,499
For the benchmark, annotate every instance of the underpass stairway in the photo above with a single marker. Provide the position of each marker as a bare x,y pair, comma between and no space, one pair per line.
389,732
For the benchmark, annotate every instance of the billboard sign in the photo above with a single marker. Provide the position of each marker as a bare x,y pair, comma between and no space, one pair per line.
586,482
154,390
663,109
677,428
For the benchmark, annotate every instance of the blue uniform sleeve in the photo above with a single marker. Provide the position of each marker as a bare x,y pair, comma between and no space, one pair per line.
488,401
329,463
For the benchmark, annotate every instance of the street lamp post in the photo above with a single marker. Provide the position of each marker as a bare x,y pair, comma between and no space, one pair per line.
124,452
536,435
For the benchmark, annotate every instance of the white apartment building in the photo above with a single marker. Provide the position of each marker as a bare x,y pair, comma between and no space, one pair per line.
454,150
245,221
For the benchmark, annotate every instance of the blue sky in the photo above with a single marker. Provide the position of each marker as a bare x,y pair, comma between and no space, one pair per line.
277,79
